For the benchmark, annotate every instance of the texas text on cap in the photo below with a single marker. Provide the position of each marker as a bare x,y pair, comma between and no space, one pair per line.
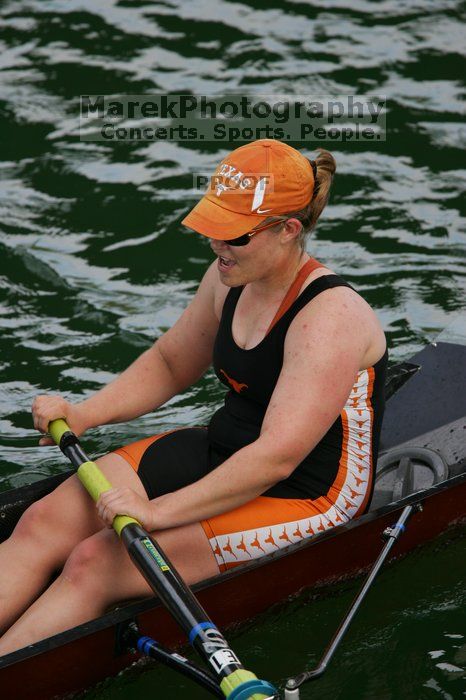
261,179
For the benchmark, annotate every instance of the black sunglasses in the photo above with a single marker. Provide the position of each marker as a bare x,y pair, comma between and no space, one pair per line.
246,237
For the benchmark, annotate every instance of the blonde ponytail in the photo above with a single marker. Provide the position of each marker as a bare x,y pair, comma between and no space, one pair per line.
325,170
324,167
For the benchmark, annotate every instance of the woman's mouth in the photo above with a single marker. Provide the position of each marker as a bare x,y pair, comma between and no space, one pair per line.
225,264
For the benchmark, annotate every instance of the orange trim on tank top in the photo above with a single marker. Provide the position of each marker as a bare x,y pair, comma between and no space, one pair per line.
292,293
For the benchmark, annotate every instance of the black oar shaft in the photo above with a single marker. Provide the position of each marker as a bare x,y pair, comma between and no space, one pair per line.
178,598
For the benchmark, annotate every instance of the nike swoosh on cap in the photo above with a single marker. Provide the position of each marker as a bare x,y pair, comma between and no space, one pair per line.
262,211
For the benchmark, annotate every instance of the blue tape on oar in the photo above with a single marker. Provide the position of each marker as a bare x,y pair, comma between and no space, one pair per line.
197,628
399,526
245,690
145,643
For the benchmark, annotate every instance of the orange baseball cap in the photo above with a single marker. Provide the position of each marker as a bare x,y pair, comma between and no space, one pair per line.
261,179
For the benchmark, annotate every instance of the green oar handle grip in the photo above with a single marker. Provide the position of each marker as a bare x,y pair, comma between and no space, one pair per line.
89,474
57,428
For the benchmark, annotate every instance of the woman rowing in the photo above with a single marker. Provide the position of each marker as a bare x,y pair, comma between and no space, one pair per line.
290,453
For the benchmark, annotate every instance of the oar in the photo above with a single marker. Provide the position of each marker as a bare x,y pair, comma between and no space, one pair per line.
234,680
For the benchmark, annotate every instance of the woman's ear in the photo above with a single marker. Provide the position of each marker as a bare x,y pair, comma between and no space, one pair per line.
291,230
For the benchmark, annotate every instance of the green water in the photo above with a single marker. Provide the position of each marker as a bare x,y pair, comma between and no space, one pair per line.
94,262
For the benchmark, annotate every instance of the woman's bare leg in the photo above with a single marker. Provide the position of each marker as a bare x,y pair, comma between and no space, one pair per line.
46,535
99,573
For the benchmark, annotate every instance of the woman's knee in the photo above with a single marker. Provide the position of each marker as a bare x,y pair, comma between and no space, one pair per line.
37,520
87,562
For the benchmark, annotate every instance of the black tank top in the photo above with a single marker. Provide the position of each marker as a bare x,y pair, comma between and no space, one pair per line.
251,376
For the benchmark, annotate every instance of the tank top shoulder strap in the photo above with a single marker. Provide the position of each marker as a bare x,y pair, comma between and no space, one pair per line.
292,294
293,291
316,287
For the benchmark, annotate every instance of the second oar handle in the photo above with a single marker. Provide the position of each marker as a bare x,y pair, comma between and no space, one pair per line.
89,474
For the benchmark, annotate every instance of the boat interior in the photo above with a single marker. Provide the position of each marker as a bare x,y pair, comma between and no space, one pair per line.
423,439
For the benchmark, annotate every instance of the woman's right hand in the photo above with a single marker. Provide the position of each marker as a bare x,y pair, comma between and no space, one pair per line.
47,408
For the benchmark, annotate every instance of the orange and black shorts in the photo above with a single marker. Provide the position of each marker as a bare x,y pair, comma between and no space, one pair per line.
172,460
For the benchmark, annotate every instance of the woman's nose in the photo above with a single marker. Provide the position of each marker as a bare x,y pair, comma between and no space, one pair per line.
218,247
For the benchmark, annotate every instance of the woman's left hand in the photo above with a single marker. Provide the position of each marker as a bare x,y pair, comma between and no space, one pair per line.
124,501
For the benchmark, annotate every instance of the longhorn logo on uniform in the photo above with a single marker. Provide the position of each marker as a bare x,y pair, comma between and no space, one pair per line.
227,548
270,540
284,535
242,545
236,386
321,526
256,543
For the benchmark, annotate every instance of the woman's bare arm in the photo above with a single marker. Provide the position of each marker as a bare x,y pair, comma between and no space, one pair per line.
174,362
